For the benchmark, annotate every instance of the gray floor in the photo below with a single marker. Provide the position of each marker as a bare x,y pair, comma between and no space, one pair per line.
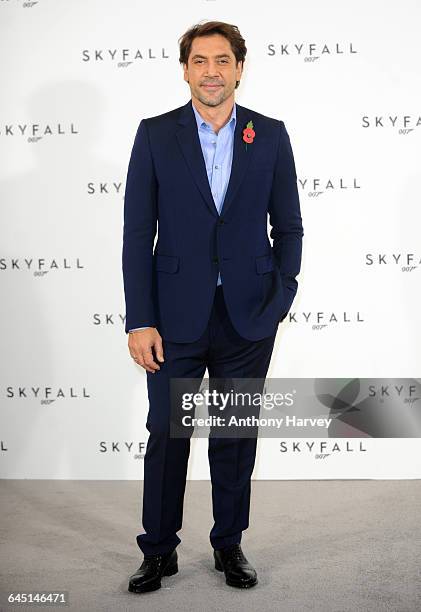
316,545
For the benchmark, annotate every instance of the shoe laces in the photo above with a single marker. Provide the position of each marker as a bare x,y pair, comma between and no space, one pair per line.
234,553
152,559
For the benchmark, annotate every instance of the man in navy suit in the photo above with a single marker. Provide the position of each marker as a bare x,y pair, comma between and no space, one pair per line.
212,291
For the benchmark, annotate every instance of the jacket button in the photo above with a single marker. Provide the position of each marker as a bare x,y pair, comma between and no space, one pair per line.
215,260
221,221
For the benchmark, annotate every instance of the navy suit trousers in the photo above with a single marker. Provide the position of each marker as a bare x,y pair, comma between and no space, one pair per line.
225,354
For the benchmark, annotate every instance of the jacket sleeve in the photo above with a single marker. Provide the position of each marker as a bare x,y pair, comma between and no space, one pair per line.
139,230
285,219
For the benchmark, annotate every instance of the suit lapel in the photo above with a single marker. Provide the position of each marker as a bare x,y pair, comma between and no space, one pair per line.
189,141
240,157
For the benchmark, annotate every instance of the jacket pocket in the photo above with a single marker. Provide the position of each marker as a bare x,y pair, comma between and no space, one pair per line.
264,263
167,263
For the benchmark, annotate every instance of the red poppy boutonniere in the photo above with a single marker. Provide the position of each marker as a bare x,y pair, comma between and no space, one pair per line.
248,133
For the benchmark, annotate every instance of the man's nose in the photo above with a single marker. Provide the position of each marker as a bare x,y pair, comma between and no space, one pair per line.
212,69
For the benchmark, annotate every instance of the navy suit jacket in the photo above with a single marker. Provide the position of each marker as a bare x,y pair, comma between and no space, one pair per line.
170,285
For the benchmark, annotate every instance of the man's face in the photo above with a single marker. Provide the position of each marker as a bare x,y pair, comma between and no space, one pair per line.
211,70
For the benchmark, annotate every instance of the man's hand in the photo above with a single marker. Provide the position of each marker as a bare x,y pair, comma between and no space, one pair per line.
142,343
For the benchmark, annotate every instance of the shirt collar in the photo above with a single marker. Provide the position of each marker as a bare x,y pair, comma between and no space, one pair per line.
200,121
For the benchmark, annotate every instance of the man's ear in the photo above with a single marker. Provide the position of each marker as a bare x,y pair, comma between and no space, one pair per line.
185,72
237,83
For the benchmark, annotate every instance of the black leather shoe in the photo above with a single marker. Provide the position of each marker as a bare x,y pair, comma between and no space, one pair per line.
148,576
238,571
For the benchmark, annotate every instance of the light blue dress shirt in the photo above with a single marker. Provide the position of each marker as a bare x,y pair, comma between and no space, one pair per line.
217,152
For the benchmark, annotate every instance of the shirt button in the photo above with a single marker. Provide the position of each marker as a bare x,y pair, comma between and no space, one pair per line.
216,167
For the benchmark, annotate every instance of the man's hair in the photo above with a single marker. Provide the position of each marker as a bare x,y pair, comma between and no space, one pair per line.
231,33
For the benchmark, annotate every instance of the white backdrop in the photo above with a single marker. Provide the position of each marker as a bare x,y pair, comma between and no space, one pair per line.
77,77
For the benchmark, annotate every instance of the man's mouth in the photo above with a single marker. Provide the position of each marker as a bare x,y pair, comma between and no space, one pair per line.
211,86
